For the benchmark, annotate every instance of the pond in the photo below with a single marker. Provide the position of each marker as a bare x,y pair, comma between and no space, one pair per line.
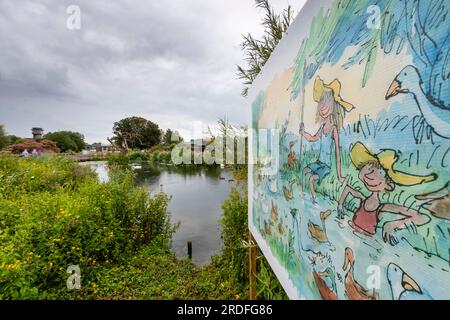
197,196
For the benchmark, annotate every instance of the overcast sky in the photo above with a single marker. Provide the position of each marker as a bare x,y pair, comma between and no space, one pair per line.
173,62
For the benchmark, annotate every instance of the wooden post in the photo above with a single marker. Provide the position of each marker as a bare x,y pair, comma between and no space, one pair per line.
252,266
189,245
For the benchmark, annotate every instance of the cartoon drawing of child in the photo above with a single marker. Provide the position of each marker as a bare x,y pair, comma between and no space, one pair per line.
378,174
330,114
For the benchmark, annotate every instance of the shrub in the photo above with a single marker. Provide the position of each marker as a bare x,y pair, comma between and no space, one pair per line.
234,255
120,159
30,144
138,156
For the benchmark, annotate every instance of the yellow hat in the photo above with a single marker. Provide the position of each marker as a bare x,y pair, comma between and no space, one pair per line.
335,86
360,155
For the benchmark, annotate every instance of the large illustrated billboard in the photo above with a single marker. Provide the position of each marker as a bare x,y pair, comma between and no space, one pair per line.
349,185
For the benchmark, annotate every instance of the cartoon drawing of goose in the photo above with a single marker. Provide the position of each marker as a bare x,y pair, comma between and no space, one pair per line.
435,113
353,290
438,202
319,233
403,287
325,291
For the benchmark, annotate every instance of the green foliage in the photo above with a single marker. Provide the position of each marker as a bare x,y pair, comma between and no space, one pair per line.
267,286
119,159
257,52
139,156
3,138
234,255
136,133
161,156
154,273
167,138
67,140
12,139
54,213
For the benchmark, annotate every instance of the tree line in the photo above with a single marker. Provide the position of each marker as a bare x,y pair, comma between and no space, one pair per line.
129,133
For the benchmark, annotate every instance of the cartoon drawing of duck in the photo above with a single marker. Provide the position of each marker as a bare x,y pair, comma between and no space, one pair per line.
435,113
403,287
287,192
353,290
319,233
280,228
274,212
325,291
267,229
291,156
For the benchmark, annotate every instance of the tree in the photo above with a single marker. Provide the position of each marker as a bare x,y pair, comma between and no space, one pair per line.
3,137
257,52
67,140
12,139
136,132
167,139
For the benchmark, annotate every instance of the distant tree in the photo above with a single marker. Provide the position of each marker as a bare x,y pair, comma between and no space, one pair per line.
136,133
258,51
3,137
12,139
167,139
67,140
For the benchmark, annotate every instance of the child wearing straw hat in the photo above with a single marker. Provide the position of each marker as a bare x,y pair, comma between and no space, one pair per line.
377,173
330,114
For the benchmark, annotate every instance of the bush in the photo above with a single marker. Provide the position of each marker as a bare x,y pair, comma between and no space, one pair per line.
118,159
70,220
234,255
30,144
138,156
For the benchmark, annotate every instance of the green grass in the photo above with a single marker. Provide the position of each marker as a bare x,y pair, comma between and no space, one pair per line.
151,274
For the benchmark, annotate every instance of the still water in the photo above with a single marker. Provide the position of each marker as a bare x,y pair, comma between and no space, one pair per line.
197,196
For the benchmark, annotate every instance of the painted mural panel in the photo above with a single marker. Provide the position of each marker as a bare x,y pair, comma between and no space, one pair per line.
349,191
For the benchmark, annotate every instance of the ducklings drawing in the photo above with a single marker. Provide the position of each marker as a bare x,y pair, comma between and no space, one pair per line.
362,123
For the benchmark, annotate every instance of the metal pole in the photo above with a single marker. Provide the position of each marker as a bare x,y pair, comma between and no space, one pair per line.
189,247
